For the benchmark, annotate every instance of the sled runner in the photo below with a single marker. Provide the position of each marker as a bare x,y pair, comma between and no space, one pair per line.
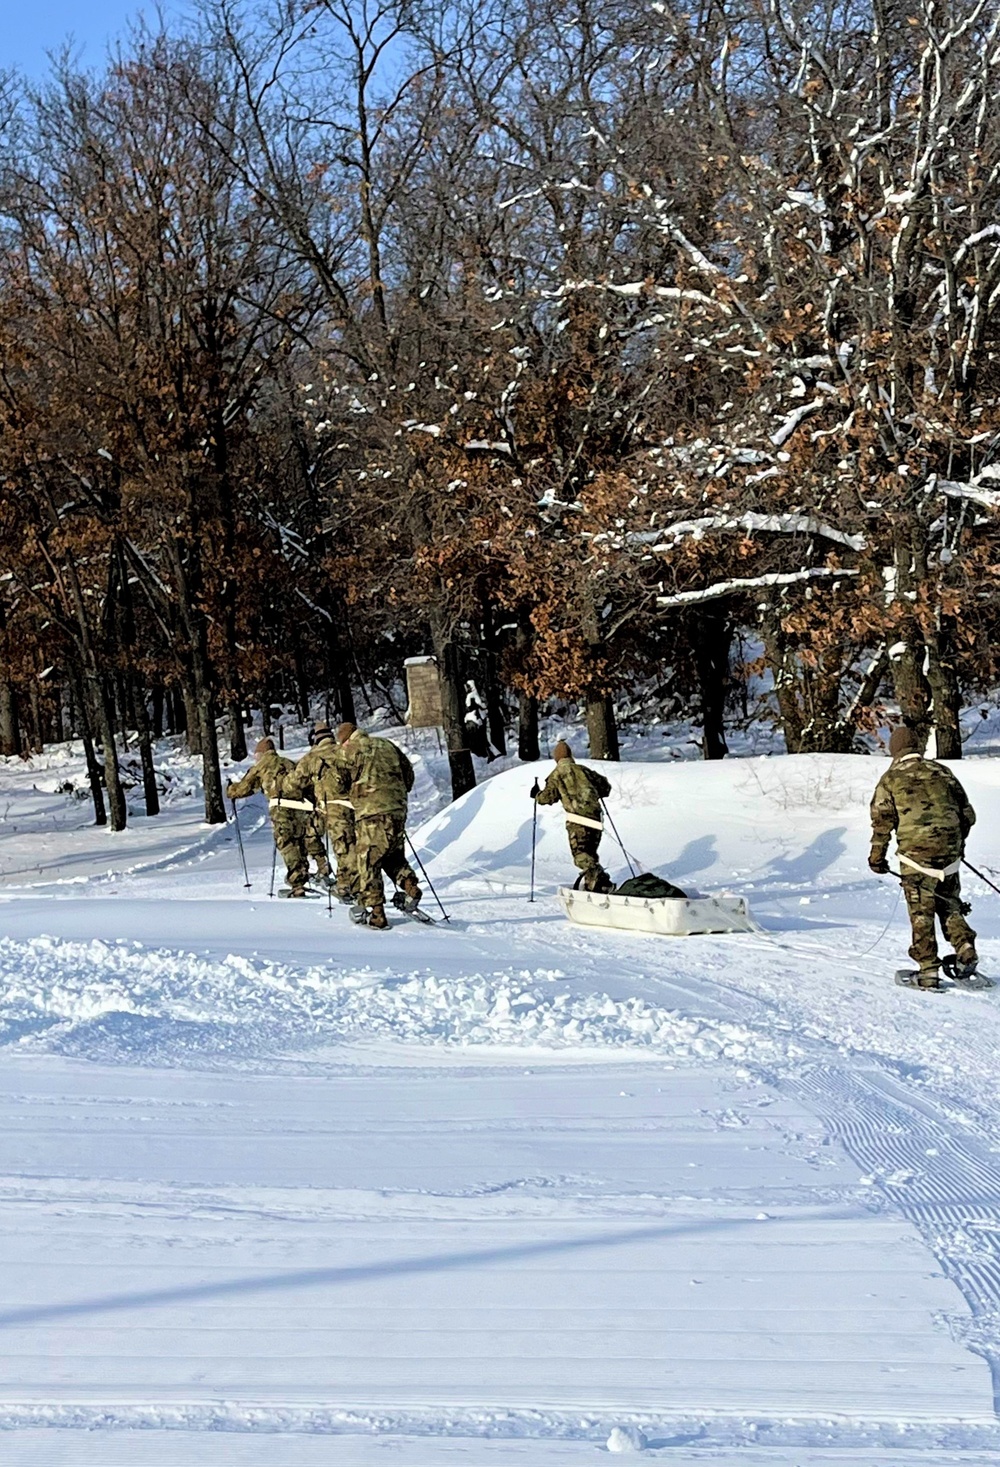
660,916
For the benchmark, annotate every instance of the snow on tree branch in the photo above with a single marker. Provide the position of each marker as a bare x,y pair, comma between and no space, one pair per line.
753,523
636,289
737,584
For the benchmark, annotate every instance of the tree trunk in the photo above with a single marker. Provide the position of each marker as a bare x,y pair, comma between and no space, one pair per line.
59,734
122,692
946,700
909,683
141,719
177,709
237,733
192,717
215,809
463,774
101,701
95,773
712,636
527,704
528,747
157,700
301,684
496,722
602,731
37,733
781,661
342,690
10,734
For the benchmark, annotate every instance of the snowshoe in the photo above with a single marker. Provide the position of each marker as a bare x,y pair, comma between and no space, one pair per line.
307,894
409,908
922,982
966,974
373,917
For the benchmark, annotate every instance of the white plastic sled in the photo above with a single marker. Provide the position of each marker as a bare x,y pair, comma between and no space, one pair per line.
660,916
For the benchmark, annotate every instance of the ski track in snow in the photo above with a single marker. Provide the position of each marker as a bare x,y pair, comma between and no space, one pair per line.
905,1085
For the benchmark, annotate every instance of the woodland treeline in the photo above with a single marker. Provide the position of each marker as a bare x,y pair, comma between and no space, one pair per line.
574,343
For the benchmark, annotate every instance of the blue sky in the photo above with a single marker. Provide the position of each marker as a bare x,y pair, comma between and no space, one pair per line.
30,28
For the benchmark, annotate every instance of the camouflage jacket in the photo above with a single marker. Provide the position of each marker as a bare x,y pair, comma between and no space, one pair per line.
321,778
274,775
380,775
580,790
926,806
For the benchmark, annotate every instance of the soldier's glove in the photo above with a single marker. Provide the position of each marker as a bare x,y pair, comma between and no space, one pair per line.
878,864
536,790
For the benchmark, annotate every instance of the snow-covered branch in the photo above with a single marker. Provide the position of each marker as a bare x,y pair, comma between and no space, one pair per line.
989,498
753,523
798,415
636,289
737,584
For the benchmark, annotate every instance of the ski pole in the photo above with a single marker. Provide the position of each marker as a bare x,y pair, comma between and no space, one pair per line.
274,862
978,873
618,838
534,829
239,840
329,874
423,872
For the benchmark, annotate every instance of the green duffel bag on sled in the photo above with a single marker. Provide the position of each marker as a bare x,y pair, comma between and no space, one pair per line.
650,886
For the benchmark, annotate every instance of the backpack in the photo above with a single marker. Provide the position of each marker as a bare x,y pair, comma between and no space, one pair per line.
649,885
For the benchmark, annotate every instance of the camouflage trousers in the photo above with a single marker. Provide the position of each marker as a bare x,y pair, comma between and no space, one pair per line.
380,849
289,830
343,843
927,899
315,842
583,845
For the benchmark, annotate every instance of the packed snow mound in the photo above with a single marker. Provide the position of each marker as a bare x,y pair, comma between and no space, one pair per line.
754,826
124,1002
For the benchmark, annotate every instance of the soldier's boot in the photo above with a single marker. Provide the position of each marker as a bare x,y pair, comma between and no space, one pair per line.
964,964
377,917
410,888
603,882
297,891
928,977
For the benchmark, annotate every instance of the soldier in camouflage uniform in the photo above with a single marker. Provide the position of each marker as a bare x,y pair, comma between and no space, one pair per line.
274,775
580,791
381,778
929,811
321,779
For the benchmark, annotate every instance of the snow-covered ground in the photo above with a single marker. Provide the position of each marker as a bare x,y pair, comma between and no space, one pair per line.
276,1190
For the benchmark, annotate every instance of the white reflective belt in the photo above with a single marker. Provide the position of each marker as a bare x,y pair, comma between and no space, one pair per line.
327,803
929,870
583,820
280,804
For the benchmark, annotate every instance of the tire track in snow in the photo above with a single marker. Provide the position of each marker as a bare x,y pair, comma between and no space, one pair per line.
947,1186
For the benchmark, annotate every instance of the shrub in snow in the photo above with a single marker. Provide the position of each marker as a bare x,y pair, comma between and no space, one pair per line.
626,1439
